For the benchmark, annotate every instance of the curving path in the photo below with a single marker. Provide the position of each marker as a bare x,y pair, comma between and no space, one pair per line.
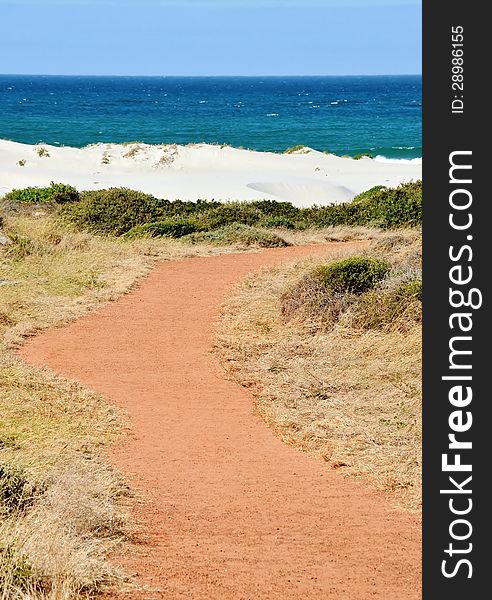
228,512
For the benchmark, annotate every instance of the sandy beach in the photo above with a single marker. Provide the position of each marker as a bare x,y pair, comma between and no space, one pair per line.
201,171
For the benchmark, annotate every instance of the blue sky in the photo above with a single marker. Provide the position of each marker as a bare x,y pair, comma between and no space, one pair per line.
210,37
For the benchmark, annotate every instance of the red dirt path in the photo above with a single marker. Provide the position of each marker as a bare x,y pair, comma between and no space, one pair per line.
228,512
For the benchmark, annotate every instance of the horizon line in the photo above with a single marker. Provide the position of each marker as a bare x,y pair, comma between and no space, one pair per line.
218,76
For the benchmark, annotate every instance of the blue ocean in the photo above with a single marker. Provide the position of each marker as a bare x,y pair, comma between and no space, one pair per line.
346,115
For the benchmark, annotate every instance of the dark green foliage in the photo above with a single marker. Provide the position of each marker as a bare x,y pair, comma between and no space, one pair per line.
273,208
56,193
282,222
227,214
114,211
180,208
392,207
61,193
362,155
173,228
237,234
117,210
388,208
354,275
329,216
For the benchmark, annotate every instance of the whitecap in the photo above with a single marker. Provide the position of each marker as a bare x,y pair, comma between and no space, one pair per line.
272,115
408,161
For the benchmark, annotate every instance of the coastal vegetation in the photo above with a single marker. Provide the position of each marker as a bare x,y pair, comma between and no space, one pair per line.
117,211
54,194
294,149
42,152
315,340
316,343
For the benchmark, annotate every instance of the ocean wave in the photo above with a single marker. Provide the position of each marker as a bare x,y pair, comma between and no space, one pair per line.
410,161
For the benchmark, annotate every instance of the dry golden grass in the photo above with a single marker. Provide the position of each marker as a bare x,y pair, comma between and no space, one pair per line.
344,392
328,234
58,548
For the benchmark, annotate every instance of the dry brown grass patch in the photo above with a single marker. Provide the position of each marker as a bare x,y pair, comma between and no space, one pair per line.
346,391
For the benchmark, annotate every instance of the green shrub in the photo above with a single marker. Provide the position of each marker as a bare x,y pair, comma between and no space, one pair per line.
282,222
392,207
181,209
354,275
273,208
174,228
293,149
57,193
237,234
388,208
62,193
413,289
229,213
114,211
332,215
117,210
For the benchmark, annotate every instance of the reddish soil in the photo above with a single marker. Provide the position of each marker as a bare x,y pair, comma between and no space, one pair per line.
227,510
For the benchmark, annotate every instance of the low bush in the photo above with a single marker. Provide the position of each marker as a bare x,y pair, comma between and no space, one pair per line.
56,193
280,222
354,275
117,210
228,214
387,208
181,209
114,211
172,228
237,234
392,207
274,208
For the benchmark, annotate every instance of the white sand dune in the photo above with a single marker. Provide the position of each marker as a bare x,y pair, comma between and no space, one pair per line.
201,171
292,189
